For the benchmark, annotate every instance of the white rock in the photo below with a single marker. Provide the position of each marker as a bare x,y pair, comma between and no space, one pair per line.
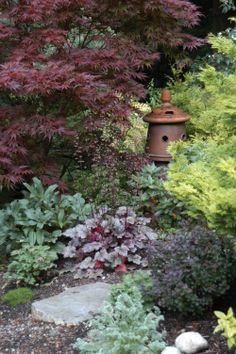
72,306
191,342
171,350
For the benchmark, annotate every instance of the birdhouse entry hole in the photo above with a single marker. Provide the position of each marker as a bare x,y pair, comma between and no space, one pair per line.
183,136
169,112
165,138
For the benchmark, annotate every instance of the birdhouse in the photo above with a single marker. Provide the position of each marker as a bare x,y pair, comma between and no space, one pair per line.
166,124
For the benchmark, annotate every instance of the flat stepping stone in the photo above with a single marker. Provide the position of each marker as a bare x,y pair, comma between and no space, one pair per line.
72,306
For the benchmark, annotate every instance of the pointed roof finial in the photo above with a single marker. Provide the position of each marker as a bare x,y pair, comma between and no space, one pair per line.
166,96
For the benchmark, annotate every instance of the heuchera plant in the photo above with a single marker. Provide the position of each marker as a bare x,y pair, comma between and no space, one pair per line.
108,242
60,58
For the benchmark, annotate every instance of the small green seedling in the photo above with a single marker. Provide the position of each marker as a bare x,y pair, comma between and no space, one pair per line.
18,296
227,325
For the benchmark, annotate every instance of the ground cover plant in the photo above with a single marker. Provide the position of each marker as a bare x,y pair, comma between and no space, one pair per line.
18,296
31,228
190,268
77,59
124,326
108,241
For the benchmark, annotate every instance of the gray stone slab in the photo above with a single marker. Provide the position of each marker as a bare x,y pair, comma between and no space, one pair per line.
72,306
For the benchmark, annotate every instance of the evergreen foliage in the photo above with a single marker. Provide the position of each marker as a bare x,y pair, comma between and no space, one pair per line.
40,217
203,176
202,173
124,327
140,280
28,263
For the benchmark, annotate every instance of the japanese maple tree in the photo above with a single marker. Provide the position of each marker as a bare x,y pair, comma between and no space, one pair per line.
63,57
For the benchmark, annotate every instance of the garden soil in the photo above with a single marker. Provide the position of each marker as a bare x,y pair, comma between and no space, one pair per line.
21,334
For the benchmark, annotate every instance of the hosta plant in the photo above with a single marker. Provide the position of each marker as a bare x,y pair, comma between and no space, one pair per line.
39,217
108,241
31,229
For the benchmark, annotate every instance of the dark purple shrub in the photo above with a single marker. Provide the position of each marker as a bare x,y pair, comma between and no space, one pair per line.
191,268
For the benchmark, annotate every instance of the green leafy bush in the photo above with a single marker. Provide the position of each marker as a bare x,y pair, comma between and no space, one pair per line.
202,174
219,60
36,222
39,217
101,187
18,296
140,280
124,327
228,5
154,95
227,325
135,137
191,268
208,95
151,196
29,262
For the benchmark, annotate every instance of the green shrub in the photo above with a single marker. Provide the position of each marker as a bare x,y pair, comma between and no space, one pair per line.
40,216
101,187
208,95
219,60
140,280
202,174
37,222
135,137
227,325
151,197
29,262
228,5
154,95
18,296
124,327
191,268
